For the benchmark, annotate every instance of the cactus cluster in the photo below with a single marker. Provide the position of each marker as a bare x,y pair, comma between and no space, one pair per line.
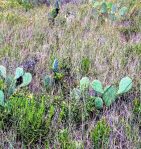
106,95
110,93
109,9
57,75
12,83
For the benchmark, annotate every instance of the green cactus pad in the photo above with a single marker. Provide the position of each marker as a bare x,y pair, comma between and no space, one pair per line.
97,86
123,11
106,87
1,98
47,81
19,72
9,80
125,85
84,83
98,103
109,95
103,8
27,78
11,89
2,71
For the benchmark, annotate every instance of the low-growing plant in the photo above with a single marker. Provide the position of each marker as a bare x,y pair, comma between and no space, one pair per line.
26,4
85,65
100,134
65,140
110,93
13,83
33,118
108,10
29,118
57,76
106,95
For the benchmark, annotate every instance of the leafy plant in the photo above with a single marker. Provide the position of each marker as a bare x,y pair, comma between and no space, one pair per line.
29,117
85,65
65,140
100,134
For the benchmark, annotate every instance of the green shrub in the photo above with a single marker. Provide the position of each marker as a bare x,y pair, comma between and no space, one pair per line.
29,118
137,110
65,140
85,65
100,135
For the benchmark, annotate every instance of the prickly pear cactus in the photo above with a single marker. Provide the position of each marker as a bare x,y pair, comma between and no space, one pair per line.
97,86
27,78
109,95
19,72
98,103
125,85
2,71
84,84
11,89
47,82
104,8
113,9
1,98
9,80
55,66
123,11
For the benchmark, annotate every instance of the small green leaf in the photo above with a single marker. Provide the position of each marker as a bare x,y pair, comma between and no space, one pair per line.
98,103
2,71
1,98
84,83
97,86
19,72
27,78
125,85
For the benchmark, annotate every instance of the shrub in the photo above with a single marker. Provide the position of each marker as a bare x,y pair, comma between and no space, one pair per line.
100,134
